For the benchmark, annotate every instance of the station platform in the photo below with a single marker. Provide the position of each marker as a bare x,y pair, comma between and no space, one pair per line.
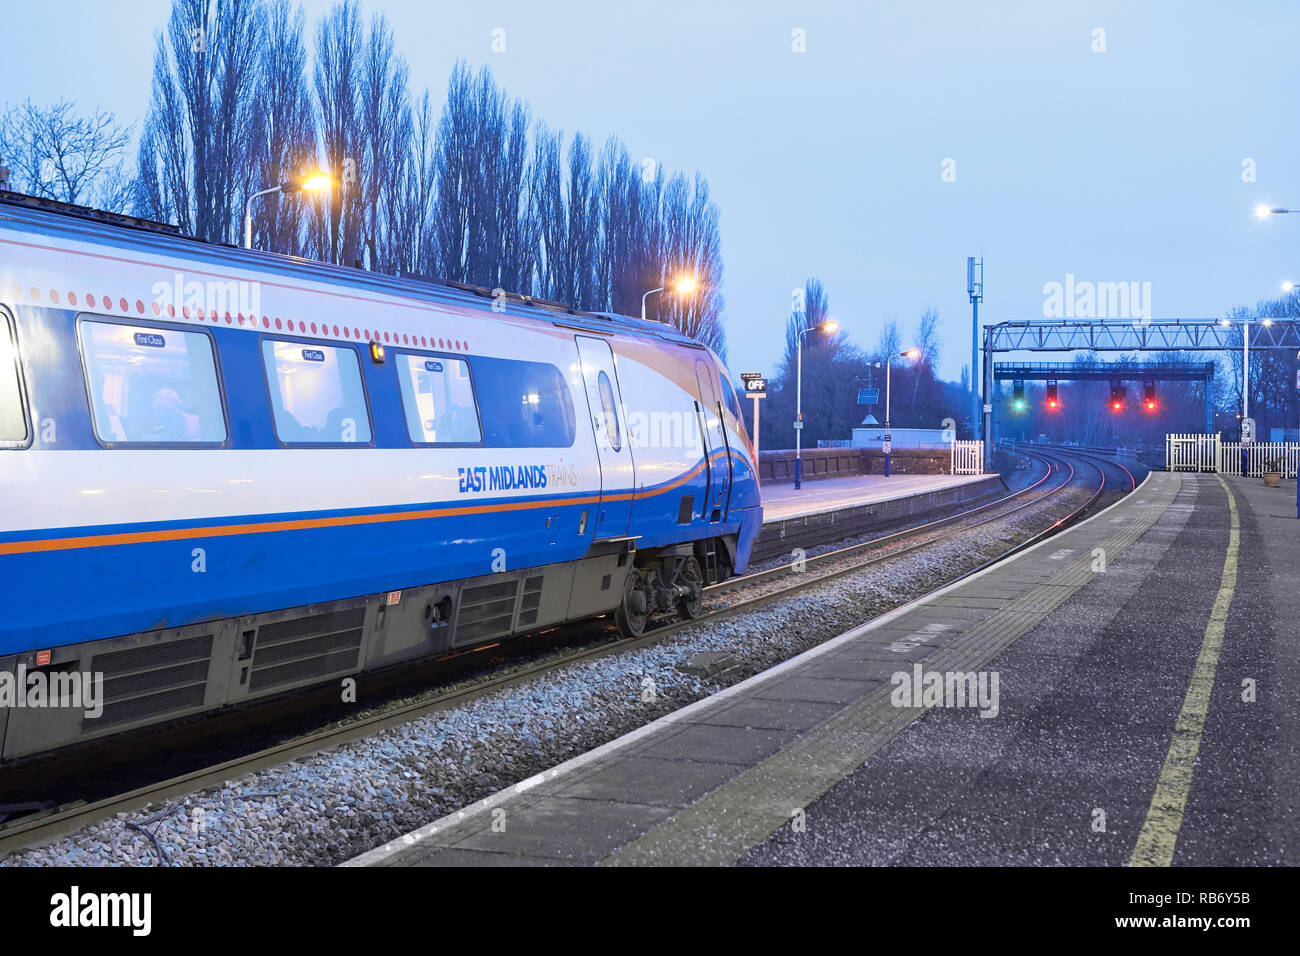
1142,672
832,509
783,501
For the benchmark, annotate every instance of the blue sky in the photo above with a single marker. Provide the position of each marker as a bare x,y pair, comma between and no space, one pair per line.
1123,165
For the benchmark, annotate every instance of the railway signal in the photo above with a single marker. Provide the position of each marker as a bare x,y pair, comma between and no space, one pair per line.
1118,394
1018,396
1149,396
1053,402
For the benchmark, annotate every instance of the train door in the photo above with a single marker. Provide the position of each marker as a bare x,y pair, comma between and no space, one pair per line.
717,455
608,419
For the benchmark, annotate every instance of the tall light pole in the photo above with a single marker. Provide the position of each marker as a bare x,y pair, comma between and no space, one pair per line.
974,289
1247,426
829,326
1264,212
887,444
312,182
683,286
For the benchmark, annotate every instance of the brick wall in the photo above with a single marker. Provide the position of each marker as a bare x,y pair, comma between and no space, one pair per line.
778,466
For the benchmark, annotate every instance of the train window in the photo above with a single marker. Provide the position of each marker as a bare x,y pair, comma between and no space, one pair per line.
438,398
151,385
733,403
13,418
610,408
316,393
524,404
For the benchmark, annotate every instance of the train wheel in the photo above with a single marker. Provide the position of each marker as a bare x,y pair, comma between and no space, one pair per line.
633,611
691,578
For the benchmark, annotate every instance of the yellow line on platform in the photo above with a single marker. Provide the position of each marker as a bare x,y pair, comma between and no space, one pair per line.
1155,844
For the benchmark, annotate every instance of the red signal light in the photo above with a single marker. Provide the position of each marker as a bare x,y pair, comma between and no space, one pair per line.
1051,403
1115,405
1151,406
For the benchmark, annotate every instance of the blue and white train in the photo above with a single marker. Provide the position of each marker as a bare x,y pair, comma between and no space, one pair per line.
227,474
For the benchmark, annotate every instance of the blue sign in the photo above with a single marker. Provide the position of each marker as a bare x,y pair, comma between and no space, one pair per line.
152,339
313,355
868,396
433,366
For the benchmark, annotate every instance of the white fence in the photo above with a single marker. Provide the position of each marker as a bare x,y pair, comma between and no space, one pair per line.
1192,452
1212,453
968,458
1260,457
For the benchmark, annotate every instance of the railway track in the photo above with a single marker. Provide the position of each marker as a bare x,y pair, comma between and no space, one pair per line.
1059,475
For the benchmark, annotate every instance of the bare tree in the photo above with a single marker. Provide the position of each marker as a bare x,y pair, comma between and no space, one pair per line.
195,156
55,153
336,225
890,342
516,246
815,311
457,175
416,196
546,207
387,130
692,246
928,345
580,246
284,137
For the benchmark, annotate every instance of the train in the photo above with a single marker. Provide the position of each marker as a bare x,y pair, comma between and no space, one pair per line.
231,474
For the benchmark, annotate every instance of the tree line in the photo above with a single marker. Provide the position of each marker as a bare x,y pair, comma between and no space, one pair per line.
834,370
243,96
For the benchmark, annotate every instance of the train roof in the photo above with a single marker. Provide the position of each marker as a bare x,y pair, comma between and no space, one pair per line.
96,225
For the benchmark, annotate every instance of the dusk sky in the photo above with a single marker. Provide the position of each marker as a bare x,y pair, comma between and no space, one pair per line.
1122,165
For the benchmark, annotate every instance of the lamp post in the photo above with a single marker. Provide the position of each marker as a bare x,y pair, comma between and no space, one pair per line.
683,286
1247,426
1263,212
312,182
889,364
829,326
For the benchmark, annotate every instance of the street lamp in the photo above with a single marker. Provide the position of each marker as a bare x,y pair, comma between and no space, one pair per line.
1245,386
889,364
829,327
683,286
312,182
1263,212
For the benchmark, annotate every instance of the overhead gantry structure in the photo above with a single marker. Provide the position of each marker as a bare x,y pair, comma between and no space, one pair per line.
1127,335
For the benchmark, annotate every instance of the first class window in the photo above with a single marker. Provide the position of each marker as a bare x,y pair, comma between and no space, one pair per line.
13,421
438,399
152,386
316,393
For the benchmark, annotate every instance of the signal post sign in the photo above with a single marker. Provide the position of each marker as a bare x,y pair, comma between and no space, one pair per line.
755,388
